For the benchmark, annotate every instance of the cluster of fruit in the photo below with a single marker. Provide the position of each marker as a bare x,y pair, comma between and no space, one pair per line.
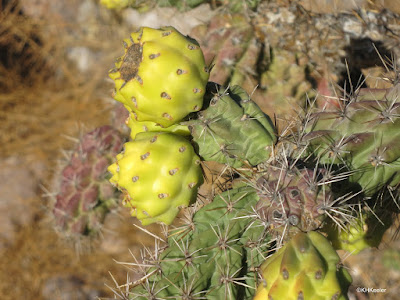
330,182
160,79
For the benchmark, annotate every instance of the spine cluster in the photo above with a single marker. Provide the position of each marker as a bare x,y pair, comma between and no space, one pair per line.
291,199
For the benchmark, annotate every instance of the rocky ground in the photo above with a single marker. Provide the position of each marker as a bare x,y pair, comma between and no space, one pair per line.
54,58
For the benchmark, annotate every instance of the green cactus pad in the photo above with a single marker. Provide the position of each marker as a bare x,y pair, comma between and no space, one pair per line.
213,255
162,76
232,129
160,173
364,137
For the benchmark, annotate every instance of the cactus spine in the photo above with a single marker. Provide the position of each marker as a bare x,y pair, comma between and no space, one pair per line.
85,195
282,190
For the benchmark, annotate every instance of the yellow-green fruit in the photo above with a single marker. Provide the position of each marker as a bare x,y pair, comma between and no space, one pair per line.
146,126
162,75
160,172
307,267
365,232
115,4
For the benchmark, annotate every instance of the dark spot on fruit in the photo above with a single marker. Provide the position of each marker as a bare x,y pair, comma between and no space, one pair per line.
191,185
285,274
163,195
134,101
167,116
153,56
318,274
300,296
173,171
153,139
180,72
165,96
131,62
196,107
196,90
135,178
182,149
166,33
192,47
144,156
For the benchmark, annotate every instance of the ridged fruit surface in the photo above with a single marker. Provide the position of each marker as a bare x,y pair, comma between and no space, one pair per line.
160,172
161,77
364,232
85,196
146,126
307,267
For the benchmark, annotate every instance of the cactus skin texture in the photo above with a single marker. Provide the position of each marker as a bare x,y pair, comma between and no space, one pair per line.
307,267
146,126
85,196
212,256
363,136
232,129
293,200
160,172
364,232
161,77
224,41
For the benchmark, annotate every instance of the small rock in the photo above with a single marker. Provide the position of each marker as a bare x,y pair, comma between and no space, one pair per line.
332,6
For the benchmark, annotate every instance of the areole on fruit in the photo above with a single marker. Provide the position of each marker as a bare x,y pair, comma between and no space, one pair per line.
161,77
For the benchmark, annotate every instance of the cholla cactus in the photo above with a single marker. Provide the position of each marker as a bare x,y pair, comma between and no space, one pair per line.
85,196
282,189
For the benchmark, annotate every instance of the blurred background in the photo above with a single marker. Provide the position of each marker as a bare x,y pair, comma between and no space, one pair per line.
54,59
